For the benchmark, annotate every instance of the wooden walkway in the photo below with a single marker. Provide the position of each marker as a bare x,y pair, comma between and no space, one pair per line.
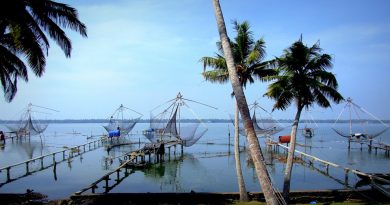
130,162
371,144
312,159
63,155
380,146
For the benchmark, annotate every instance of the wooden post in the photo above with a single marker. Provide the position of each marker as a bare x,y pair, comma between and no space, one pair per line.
63,155
370,146
117,175
229,143
55,171
327,168
349,143
41,163
346,175
54,157
107,178
27,170
8,174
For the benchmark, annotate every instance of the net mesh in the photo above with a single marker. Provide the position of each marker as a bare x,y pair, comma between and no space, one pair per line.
361,122
168,127
125,125
28,126
263,126
123,119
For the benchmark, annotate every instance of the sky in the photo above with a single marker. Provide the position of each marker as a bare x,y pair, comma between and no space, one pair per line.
142,53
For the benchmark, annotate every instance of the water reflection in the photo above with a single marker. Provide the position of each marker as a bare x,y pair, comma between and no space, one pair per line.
167,173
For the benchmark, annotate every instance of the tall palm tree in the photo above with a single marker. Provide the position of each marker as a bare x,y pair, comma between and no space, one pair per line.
303,78
253,142
24,25
248,56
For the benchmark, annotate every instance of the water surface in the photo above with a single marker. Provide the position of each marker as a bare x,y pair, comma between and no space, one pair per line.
205,167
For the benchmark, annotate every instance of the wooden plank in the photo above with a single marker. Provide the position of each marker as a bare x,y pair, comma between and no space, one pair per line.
381,189
43,156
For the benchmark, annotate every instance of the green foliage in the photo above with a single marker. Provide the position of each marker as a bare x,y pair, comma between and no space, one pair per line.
24,25
248,56
303,78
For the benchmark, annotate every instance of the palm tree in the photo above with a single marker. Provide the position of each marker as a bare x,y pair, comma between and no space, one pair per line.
303,78
248,55
24,25
253,142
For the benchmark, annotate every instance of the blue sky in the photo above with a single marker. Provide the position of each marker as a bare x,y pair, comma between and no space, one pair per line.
142,53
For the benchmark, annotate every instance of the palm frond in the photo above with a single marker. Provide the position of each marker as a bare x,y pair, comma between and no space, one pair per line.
11,67
55,33
216,76
60,13
216,63
302,76
27,43
23,26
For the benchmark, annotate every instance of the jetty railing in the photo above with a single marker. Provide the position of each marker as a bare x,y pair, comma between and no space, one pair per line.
313,159
132,161
65,153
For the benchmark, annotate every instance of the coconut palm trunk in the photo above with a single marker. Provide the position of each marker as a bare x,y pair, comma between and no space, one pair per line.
290,156
253,142
240,178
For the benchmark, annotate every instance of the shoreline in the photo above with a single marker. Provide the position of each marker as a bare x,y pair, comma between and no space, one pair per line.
297,197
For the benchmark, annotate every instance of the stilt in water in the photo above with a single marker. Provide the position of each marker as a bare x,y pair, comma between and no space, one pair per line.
349,143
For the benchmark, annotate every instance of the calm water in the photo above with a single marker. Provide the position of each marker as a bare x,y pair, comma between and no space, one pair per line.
204,167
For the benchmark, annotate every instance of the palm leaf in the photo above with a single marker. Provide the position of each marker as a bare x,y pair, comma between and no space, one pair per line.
216,76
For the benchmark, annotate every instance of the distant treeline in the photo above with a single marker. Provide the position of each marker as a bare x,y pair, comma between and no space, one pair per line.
193,121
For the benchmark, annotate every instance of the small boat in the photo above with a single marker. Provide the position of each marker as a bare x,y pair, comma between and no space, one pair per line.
366,180
310,125
308,132
379,175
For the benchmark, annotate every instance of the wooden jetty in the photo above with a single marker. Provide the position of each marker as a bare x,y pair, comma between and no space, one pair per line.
380,146
132,161
312,159
371,144
63,155
17,136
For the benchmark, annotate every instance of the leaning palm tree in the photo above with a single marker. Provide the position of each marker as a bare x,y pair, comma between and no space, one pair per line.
24,26
254,147
303,78
248,57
